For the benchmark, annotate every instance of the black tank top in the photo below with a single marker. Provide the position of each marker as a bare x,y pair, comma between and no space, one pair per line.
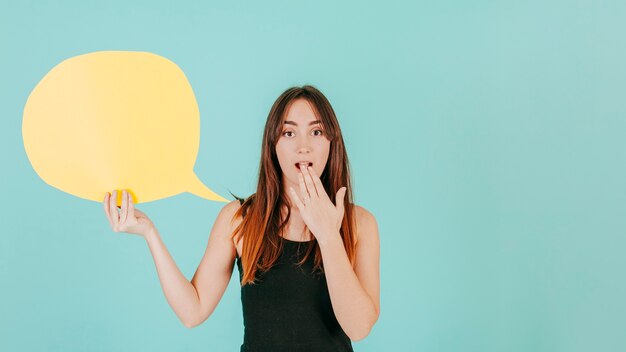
289,309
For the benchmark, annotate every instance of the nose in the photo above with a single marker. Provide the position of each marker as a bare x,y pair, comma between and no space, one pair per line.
304,144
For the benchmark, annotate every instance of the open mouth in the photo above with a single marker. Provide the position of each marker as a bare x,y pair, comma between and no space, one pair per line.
297,165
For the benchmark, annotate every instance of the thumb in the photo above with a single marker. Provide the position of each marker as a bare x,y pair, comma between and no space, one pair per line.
341,193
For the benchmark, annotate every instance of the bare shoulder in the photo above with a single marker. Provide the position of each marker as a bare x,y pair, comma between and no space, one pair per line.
230,208
226,220
364,217
367,227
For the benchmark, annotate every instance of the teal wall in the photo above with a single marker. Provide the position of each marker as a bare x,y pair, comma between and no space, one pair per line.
486,137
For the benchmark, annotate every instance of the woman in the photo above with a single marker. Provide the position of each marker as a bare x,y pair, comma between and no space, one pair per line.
309,268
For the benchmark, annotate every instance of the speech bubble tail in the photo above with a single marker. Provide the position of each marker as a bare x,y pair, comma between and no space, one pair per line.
195,186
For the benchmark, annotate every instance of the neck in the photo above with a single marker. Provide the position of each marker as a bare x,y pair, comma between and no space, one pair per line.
296,229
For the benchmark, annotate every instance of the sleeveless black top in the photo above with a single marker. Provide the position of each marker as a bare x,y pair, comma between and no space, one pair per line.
288,308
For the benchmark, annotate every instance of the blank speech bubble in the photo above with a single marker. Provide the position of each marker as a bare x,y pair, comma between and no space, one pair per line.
115,120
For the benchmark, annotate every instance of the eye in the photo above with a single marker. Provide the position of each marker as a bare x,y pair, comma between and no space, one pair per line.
288,133
318,134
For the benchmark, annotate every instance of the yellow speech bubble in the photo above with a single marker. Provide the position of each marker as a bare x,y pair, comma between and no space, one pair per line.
115,120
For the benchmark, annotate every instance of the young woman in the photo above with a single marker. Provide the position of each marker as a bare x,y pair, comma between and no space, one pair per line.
308,263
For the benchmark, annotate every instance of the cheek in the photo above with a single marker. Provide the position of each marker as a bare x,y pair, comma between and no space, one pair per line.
324,147
280,153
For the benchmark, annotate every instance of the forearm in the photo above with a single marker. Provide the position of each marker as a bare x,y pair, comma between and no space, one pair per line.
354,309
179,292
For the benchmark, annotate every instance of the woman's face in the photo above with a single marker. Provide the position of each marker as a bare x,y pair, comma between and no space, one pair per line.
302,141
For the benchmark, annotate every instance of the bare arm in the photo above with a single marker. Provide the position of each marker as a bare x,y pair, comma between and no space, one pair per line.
216,268
179,292
355,294
193,302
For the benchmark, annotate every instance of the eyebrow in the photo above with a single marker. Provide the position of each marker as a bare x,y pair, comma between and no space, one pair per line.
310,123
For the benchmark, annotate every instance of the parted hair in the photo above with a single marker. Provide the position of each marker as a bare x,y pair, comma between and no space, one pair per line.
266,213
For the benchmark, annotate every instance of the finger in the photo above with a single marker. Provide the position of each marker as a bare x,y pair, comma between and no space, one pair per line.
115,216
304,192
124,214
309,183
296,199
318,183
107,211
131,206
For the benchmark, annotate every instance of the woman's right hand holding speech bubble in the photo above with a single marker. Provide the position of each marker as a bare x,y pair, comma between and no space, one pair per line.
127,219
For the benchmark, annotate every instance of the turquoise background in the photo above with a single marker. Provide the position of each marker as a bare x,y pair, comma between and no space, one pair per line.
487,137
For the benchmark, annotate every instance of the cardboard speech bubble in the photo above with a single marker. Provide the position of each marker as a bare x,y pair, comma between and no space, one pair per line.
115,120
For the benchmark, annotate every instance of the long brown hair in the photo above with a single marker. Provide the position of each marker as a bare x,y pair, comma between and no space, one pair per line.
261,223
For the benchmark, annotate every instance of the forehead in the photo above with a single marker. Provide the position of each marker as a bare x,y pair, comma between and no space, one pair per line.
300,112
